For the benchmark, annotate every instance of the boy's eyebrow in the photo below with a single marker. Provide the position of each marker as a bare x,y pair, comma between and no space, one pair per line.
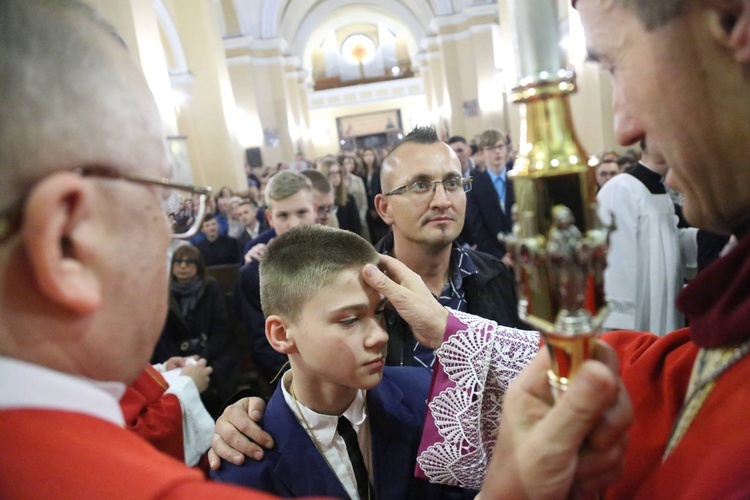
351,307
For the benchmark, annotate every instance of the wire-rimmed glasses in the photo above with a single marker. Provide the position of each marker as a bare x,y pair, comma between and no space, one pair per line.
426,186
10,220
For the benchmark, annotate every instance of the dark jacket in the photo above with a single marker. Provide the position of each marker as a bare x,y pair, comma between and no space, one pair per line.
490,294
348,216
207,334
484,215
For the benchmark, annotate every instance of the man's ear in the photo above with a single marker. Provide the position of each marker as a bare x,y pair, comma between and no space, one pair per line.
731,26
60,236
277,333
383,206
269,217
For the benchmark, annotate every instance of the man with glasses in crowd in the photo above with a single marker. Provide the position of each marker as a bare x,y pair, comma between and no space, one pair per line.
489,204
424,202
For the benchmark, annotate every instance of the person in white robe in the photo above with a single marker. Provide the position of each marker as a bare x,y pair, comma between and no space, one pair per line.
649,257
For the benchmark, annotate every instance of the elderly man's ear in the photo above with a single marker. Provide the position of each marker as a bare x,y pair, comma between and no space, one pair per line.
730,25
59,233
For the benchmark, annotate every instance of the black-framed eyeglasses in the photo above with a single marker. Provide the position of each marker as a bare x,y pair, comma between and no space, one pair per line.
423,187
173,196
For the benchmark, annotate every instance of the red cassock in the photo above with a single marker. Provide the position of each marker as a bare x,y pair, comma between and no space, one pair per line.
711,460
58,454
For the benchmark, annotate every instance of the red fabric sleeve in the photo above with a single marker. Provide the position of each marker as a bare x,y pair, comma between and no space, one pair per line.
153,415
655,371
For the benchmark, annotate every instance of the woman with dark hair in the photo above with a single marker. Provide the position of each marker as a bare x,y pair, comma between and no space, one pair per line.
355,186
198,324
378,228
347,213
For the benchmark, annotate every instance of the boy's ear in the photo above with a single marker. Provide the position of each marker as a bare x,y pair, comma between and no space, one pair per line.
731,26
277,333
382,205
60,236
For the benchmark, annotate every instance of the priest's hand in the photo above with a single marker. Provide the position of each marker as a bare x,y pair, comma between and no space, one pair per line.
237,433
575,446
411,298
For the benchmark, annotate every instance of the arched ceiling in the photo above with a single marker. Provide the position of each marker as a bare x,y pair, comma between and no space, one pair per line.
303,24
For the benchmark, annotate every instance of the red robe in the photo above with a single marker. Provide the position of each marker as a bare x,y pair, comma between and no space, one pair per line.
711,460
59,454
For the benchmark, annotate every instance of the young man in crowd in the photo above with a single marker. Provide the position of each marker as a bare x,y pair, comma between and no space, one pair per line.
217,248
289,203
489,204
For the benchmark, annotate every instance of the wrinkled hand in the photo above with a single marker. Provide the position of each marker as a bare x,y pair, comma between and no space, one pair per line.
256,253
576,446
199,372
237,433
411,298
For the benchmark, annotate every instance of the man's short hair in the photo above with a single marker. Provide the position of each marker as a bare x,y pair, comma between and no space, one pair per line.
284,184
320,182
48,89
252,203
419,135
304,260
492,136
456,138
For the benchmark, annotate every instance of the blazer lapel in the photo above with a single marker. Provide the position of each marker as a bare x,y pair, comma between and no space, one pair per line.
393,442
315,478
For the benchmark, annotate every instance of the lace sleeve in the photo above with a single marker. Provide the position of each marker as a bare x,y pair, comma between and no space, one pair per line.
475,364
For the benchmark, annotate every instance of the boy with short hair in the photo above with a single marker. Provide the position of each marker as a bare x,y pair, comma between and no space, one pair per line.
290,203
338,430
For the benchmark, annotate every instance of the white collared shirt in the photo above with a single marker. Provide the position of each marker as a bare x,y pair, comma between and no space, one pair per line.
26,385
322,429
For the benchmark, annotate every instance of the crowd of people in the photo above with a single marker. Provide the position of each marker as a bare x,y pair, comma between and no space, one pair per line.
367,326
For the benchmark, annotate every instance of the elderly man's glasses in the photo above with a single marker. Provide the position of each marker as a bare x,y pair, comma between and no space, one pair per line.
423,187
173,193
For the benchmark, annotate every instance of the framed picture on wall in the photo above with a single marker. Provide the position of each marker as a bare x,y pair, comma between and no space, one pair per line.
381,122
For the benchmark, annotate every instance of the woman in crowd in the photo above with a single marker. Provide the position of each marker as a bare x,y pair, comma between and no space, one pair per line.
377,227
356,187
347,213
198,324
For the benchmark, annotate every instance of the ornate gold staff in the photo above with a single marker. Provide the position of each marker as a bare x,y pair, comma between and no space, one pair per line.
557,243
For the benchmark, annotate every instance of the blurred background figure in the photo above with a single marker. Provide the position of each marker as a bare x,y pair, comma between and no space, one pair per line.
197,324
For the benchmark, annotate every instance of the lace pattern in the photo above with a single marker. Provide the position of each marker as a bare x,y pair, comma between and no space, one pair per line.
477,361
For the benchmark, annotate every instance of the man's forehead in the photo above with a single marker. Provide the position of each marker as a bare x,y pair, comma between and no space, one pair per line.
413,158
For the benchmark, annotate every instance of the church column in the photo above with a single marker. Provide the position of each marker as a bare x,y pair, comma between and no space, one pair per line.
136,22
208,117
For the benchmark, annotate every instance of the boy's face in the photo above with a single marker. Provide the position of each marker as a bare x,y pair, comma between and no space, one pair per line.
296,210
339,338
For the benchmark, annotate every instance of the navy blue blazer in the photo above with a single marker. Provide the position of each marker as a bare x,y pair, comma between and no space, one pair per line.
294,467
484,215
263,237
